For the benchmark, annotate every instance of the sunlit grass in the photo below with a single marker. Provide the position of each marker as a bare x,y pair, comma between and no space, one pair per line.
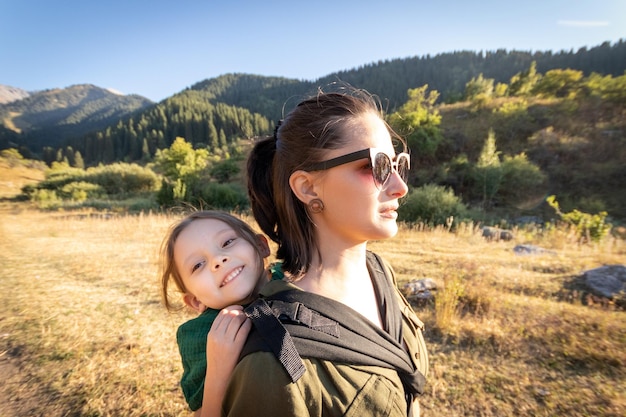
82,327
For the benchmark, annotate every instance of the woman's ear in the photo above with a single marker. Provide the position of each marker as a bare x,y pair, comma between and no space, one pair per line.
302,184
192,302
264,247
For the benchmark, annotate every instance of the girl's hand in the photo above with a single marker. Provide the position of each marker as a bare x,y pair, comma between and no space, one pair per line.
223,346
225,341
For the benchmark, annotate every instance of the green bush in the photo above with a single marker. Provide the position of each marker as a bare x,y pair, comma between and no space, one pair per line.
433,205
123,179
522,181
224,171
60,175
81,191
45,199
223,196
115,180
208,195
165,195
590,227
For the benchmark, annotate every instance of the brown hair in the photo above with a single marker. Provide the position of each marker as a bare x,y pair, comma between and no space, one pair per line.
301,139
169,271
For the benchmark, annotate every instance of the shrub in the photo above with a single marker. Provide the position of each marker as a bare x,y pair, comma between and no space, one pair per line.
590,227
80,191
522,181
119,179
45,199
123,179
165,195
433,205
224,170
223,196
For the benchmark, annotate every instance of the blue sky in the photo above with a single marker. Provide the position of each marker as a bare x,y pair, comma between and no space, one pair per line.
158,48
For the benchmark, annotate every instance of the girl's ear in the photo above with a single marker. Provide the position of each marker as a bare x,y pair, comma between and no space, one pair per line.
192,302
264,247
302,184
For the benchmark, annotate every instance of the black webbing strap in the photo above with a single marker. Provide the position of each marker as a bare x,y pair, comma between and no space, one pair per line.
276,337
298,313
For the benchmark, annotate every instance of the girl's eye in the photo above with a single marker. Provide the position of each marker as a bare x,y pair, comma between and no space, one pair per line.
196,266
228,242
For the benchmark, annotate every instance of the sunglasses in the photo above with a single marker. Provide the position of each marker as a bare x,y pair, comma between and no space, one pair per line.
382,165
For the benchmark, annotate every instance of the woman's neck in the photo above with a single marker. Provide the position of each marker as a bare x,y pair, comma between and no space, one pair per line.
343,276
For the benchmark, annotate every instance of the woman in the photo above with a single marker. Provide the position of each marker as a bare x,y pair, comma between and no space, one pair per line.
326,183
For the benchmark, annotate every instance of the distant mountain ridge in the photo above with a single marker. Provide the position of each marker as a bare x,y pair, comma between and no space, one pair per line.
9,94
48,117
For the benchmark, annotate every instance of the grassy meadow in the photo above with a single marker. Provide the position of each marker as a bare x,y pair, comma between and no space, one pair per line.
83,333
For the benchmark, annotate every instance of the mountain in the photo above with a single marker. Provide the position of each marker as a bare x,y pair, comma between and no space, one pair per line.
9,94
577,141
219,111
47,118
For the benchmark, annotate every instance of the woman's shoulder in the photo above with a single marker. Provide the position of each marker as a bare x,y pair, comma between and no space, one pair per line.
260,372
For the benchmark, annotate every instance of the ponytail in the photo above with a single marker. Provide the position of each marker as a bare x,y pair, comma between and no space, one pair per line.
260,190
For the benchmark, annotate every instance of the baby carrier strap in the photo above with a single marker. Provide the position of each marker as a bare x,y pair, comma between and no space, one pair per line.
272,336
293,324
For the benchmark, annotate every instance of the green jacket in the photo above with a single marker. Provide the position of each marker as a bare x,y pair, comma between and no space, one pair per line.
261,387
191,338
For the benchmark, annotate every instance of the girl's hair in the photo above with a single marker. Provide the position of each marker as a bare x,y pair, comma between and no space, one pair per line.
300,140
169,271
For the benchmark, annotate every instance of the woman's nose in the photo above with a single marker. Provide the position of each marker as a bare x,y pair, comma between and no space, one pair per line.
396,186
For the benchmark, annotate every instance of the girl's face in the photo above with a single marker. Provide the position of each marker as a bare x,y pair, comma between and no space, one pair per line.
355,209
218,267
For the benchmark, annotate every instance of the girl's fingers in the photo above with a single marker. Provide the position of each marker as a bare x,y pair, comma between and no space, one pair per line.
231,324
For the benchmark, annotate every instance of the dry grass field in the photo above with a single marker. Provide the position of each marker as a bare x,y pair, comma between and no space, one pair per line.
83,333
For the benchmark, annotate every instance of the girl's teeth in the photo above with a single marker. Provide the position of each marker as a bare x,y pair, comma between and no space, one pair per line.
231,276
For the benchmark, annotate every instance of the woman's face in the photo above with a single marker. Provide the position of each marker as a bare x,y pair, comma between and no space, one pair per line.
355,209
218,267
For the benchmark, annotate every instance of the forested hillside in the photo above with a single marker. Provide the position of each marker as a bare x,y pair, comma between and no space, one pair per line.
52,117
579,147
499,144
191,115
448,73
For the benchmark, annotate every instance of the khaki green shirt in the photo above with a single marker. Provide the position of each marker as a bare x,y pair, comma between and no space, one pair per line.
261,387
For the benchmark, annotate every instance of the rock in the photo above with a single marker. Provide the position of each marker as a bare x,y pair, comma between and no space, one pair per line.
493,233
531,250
419,289
607,281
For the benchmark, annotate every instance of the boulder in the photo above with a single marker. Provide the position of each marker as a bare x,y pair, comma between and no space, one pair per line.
494,233
606,281
419,290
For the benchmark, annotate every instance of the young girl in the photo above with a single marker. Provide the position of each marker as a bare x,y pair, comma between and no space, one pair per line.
217,262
